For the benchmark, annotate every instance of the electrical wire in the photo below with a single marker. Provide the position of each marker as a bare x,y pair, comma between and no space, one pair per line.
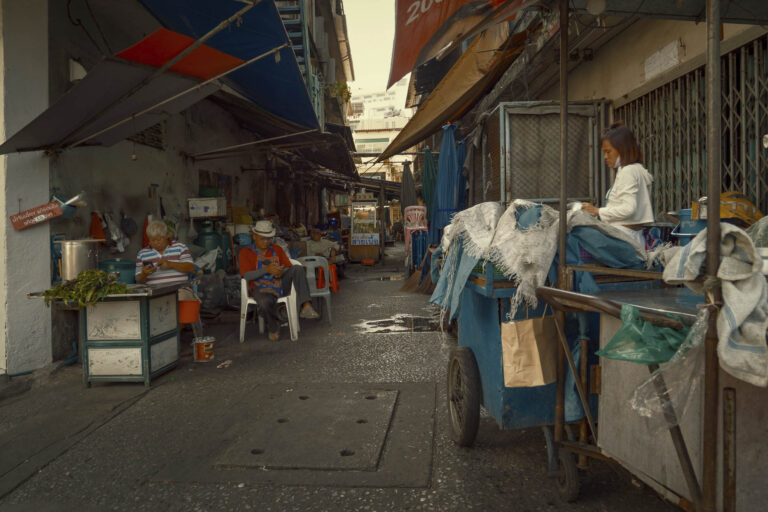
77,22
96,22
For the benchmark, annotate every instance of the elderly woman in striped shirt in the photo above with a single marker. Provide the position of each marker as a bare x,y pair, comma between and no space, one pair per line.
165,261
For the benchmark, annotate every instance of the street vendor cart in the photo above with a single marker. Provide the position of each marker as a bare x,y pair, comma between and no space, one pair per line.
364,240
475,370
131,337
708,458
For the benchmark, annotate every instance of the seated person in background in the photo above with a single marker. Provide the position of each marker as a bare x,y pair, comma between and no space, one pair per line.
319,246
278,276
164,261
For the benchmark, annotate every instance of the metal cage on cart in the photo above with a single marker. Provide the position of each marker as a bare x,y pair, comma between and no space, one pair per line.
515,159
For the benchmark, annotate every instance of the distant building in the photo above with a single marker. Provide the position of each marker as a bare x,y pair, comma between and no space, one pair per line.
376,118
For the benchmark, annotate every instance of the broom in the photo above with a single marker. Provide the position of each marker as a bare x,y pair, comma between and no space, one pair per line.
412,284
427,286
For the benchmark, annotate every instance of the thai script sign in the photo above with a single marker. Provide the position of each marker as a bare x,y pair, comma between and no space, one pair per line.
365,239
36,215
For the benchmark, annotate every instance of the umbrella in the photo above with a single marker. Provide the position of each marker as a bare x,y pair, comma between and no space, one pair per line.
428,179
446,194
407,188
461,155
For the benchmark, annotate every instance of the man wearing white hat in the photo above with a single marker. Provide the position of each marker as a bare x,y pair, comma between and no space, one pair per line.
277,278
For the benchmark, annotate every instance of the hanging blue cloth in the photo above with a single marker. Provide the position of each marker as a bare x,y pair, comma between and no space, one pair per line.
449,289
461,155
446,190
428,183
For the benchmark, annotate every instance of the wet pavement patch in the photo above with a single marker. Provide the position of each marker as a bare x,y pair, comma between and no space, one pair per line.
328,423
348,435
400,323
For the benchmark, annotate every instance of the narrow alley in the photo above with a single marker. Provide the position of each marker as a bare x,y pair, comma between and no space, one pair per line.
189,442
383,255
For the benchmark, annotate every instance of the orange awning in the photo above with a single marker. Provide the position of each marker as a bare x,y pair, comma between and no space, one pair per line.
476,70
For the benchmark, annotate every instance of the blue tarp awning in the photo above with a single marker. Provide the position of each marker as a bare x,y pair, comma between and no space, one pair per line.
274,84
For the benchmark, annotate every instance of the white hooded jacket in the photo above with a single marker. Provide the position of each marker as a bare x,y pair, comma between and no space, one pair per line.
629,200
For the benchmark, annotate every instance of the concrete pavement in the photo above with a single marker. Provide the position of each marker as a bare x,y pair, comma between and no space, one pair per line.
342,419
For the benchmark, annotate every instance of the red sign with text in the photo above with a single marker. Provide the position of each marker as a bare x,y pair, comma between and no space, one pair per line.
36,215
424,28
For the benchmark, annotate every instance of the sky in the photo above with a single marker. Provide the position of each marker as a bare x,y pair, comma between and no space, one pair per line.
371,28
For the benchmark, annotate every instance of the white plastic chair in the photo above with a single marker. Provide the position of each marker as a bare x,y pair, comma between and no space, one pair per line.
289,301
311,263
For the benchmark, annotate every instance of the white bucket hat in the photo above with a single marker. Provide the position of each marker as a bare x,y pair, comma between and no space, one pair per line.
263,228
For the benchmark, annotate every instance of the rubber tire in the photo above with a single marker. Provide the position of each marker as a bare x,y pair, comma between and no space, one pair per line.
464,406
568,478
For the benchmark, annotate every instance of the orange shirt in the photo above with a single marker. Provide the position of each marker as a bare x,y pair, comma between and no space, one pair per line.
251,259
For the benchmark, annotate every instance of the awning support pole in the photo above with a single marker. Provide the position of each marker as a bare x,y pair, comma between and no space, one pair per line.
254,143
175,96
165,67
711,366
562,274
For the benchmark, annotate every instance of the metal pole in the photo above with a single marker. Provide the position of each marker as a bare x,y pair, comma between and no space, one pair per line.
383,220
195,87
562,275
254,143
711,366
218,28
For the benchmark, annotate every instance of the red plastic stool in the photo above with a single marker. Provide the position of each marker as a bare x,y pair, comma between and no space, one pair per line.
334,285
334,278
320,277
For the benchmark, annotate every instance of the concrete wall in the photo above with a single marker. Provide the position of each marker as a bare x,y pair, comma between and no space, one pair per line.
619,67
25,325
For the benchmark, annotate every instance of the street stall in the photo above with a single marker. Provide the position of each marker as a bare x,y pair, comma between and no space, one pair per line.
130,337
364,234
700,475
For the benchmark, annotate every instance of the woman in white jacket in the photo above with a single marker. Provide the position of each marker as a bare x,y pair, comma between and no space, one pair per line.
628,201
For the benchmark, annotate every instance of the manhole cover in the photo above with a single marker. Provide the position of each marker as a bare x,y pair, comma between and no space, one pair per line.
344,430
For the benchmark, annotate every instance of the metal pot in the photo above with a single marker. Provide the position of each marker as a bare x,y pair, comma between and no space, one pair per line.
76,256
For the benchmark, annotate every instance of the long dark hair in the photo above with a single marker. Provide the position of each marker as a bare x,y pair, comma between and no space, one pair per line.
624,141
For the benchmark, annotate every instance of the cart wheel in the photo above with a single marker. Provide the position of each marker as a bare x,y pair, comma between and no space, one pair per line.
464,395
568,477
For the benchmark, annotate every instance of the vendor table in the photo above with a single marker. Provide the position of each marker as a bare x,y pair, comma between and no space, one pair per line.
131,337
625,436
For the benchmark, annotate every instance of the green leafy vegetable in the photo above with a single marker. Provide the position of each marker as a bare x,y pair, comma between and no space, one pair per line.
89,287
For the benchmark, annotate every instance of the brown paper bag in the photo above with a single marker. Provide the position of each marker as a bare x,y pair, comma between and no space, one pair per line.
529,352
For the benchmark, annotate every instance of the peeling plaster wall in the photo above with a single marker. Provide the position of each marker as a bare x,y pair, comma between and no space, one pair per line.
25,326
618,68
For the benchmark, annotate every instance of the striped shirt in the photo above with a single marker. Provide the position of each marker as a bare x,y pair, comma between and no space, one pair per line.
176,252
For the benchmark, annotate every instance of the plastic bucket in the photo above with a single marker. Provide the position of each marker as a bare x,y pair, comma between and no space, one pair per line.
688,226
202,349
189,311
124,268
